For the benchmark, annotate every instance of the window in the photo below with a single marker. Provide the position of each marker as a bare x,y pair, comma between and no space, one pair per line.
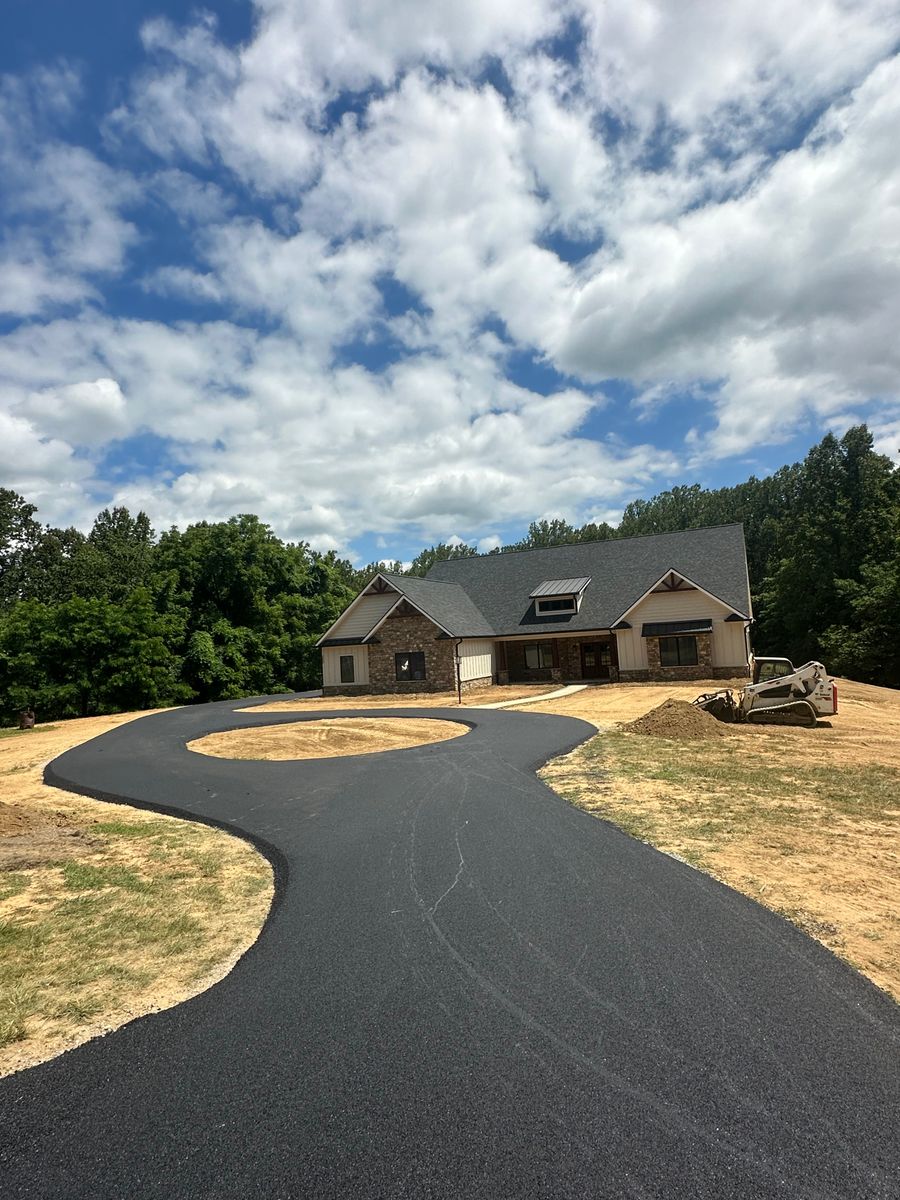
557,604
773,669
538,654
347,673
410,665
678,652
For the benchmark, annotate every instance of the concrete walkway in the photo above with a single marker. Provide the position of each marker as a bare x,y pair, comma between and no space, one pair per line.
569,690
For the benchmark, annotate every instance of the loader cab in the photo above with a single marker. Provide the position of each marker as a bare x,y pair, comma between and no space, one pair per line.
765,669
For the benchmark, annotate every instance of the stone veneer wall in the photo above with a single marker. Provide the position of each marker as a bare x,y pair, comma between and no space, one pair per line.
402,633
703,670
476,685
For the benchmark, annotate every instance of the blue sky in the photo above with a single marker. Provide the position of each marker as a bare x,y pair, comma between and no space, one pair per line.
400,272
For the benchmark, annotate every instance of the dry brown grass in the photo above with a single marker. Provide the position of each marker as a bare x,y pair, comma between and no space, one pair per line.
327,739
804,821
107,912
489,695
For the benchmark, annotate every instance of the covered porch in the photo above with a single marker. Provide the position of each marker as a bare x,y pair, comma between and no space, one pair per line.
589,658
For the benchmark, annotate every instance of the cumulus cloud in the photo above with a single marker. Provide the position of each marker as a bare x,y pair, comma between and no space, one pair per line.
388,208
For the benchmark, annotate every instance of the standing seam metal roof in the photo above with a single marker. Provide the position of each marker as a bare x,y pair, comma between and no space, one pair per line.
560,587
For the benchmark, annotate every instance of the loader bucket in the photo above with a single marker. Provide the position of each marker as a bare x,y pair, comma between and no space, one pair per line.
720,704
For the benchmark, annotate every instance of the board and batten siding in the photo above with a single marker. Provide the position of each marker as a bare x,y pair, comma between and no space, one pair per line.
476,659
331,664
728,644
360,620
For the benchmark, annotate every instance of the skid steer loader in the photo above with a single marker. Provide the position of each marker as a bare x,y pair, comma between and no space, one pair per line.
780,694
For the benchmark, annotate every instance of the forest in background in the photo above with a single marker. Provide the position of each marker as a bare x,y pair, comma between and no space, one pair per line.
120,619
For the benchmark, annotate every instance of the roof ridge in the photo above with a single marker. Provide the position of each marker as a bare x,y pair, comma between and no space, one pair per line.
420,578
634,537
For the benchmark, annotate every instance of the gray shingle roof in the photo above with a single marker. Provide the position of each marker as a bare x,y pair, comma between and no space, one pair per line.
447,603
496,588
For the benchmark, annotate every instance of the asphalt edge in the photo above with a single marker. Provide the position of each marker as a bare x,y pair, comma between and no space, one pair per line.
271,853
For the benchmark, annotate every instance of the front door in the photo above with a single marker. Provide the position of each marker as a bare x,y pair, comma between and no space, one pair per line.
596,659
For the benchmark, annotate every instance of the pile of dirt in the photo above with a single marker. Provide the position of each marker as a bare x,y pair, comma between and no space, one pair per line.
678,719
30,838
18,818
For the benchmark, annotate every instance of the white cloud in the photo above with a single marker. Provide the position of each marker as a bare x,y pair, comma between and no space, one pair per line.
785,294
82,414
758,279
61,206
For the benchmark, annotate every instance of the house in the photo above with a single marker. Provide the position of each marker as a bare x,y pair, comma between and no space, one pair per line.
664,606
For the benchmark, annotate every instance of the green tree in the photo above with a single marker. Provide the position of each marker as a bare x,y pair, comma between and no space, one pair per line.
83,657
425,559
18,533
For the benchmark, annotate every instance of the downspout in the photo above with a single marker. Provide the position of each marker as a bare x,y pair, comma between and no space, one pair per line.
749,647
459,642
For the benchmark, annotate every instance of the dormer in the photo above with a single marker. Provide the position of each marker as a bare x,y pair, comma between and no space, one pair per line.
557,597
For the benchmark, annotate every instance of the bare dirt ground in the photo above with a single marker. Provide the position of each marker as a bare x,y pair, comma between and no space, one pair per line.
805,821
107,912
327,739
490,695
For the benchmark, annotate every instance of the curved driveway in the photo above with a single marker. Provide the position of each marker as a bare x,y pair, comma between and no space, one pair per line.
467,988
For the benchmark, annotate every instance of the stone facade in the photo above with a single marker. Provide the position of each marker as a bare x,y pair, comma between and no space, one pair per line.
476,685
703,670
406,630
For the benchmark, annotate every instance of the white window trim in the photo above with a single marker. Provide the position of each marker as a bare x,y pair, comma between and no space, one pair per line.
540,601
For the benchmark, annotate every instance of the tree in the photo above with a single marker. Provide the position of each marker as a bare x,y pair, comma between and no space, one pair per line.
18,533
425,560
83,657
125,547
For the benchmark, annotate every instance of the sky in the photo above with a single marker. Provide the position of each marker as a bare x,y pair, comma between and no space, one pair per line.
393,272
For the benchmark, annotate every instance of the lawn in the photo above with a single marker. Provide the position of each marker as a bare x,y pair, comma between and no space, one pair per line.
806,822
107,912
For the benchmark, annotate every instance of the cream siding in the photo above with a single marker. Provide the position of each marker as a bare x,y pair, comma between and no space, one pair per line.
476,659
331,665
632,650
367,613
728,646
676,606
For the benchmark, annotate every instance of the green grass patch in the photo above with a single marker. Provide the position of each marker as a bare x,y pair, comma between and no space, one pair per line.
12,883
151,904
83,877
128,830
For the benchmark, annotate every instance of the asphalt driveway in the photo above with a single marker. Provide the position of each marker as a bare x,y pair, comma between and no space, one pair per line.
466,988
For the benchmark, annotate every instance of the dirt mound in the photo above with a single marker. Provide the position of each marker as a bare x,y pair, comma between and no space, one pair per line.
17,818
31,838
677,719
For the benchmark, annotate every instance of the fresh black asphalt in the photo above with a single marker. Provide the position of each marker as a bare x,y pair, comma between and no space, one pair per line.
466,988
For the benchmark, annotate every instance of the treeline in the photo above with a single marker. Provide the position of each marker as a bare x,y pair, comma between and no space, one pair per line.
119,619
